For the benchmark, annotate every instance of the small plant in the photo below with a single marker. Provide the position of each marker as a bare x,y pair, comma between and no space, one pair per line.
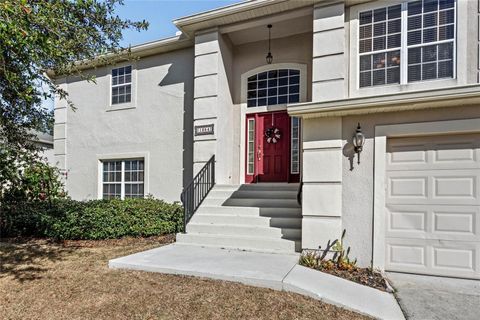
309,259
317,259
335,260
340,256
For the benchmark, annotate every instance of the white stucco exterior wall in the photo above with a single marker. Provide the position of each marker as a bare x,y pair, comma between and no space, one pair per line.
154,126
354,189
357,186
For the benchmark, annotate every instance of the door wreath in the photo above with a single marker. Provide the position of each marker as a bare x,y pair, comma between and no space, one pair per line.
273,135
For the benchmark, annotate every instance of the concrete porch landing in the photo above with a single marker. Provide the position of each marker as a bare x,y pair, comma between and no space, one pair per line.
252,268
275,271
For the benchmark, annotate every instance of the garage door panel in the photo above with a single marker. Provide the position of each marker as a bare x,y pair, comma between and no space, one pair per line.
452,187
428,153
439,257
409,154
459,223
433,205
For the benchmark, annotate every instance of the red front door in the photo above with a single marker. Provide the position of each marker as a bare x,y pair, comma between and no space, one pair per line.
268,147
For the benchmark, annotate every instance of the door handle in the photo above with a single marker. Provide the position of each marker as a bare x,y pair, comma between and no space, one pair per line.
259,154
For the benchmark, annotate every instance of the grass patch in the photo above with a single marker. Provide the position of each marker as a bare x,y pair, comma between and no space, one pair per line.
42,279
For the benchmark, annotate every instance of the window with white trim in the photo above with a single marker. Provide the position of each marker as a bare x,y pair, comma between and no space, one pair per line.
123,179
408,42
122,85
273,87
295,146
251,147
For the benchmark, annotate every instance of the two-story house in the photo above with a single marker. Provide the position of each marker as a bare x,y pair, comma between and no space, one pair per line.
372,105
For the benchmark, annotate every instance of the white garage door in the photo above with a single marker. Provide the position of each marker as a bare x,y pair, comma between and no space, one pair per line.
433,205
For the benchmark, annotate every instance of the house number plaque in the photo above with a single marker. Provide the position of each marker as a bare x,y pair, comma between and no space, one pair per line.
204,130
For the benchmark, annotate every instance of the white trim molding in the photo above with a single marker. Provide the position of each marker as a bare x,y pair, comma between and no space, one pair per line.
384,132
134,81
414,100
244,110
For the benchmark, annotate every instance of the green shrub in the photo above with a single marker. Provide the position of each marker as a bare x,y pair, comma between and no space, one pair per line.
92,220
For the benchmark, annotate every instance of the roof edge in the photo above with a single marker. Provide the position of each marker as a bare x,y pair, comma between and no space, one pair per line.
163,45
222,11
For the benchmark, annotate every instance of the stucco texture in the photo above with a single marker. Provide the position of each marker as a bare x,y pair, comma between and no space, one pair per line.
157,125
358,181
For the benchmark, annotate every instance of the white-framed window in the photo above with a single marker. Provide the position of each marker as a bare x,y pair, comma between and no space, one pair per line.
123,179
273,87
251,146
121,85
295,146
408,42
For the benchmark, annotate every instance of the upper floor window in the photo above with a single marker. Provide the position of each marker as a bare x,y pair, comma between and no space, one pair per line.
419,34
122,85
273,87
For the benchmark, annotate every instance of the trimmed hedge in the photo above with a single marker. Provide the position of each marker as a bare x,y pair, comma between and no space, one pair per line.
91,220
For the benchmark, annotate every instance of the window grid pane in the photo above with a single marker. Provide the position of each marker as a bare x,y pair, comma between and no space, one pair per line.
379,44
251,147
273,87
132,182
295,146
122,85
431,36
112,179
134,179
429,47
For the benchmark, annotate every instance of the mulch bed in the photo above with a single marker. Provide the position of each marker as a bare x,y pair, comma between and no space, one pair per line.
363,276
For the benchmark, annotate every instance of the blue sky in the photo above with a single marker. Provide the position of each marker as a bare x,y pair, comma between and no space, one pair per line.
160,14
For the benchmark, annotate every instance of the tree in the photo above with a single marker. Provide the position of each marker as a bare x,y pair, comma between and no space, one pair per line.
55,37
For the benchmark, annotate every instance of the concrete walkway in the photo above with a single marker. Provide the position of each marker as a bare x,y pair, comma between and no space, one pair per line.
432,298
275,271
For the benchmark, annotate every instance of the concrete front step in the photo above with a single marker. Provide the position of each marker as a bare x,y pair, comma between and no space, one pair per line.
255,217
251,194
244,230
249,211
269,186
239,242
225,187
252,202
279,222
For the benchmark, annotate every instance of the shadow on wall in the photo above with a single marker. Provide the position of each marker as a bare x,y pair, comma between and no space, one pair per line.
180,72
349,153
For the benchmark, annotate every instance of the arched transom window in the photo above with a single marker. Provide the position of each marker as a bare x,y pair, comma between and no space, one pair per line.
273,87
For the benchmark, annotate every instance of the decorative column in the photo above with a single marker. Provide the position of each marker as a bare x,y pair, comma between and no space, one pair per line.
329,62
60,131
213,104
322,177
205,96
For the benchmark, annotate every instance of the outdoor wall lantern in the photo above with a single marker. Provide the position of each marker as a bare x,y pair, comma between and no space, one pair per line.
358,141
269,56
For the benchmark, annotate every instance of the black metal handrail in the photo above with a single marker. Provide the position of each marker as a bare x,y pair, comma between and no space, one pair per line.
197,190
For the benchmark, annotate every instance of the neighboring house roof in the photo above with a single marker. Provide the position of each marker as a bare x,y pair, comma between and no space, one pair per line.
43,138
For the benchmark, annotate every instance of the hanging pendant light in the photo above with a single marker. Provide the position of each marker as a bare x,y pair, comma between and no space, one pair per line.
269,56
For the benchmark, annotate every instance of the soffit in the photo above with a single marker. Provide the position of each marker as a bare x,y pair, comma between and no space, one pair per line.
240,13
280,29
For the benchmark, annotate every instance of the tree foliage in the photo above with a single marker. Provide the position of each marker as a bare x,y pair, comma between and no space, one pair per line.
40,38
